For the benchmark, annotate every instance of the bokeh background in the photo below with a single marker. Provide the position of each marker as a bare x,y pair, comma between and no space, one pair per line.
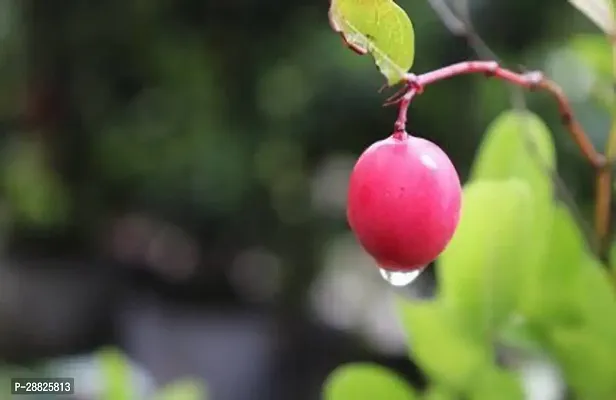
173,180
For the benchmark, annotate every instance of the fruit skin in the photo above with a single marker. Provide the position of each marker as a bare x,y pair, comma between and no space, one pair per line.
404,201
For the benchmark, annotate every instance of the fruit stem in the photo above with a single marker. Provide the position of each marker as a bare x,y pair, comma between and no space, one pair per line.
405,102
530,80
400,135
535,80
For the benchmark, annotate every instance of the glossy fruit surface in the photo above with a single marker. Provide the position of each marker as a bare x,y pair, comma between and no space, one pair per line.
404,201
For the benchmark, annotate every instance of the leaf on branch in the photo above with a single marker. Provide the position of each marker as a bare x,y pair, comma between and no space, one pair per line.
379,27
600,12
482,284
446,352
366,381
594,50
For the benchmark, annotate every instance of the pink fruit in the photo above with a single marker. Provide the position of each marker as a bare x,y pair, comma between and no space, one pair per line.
404,201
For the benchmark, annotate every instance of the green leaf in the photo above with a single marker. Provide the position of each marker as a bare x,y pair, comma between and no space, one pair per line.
595,53
439,392
116,372
506,150
518,144
595,300
593,50
549,292
480,270
586,350
600,12
379,27
365,381
587,362
497,384
184,389
519,333
444,351
34,191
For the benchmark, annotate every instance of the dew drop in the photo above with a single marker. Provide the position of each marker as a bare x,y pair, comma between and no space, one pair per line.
400,278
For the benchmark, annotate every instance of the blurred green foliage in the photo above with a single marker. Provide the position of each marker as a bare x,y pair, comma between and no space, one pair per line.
214,113
519,273
184,389
376,382
117,383
507,280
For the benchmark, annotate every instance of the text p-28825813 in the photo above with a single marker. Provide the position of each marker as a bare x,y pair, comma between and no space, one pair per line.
42,385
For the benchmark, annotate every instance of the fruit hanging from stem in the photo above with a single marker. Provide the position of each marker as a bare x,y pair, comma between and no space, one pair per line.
404,201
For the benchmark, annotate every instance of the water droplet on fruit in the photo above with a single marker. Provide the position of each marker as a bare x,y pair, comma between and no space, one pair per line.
400,278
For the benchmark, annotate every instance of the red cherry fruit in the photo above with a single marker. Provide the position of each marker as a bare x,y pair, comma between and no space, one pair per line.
404,201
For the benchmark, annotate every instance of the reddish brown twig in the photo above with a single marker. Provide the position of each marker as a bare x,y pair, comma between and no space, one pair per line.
603,207
531,80
414,84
